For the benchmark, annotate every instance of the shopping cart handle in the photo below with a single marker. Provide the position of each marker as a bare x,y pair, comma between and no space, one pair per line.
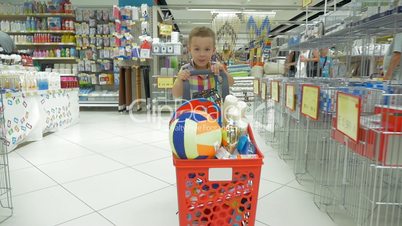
201,72
225,83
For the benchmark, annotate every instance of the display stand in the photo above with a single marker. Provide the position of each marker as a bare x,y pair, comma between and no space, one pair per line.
166,63
28,115
98,73
6,204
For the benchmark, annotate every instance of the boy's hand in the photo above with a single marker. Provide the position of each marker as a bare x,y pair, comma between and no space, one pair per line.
183,75
217,67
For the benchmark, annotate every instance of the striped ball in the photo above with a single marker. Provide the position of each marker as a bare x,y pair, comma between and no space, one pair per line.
200,104
194,135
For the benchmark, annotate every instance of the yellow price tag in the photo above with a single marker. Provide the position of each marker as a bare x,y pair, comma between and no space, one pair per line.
259,52
165,29
256,84
290,97
252,52
310,100
348,115
275,91
165,82
306,2
263,90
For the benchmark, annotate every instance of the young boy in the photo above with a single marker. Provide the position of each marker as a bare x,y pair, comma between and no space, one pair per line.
202,48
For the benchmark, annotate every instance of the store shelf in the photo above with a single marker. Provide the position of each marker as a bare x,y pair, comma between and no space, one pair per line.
99,103
243,78
99,95
47,44
92,36
41,92
40,32
382,24
54,58
101,71
23,16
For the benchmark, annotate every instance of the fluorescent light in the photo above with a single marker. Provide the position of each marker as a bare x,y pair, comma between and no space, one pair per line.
226,12
260,13
201,23
204,10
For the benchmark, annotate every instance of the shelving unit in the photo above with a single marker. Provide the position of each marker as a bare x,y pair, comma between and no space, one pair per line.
46,44
26,39
381,24
40,32
23,16
243,90
162,98
97,72
55,58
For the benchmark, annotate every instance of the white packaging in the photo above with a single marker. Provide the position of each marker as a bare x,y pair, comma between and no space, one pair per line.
177,49
175,36
135,14
242,106
164,71
144,11
171,72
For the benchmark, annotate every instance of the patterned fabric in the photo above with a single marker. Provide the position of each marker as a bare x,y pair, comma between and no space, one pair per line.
199,83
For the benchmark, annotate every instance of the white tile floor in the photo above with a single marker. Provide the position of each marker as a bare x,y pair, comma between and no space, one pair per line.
109,170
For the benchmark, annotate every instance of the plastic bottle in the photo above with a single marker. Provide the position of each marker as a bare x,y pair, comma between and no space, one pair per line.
51,53
28,24
58,53
67,52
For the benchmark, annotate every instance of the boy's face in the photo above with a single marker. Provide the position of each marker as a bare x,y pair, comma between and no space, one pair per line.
202,49
324,52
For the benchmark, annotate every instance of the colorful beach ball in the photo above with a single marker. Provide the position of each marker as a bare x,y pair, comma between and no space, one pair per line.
199,104
194,135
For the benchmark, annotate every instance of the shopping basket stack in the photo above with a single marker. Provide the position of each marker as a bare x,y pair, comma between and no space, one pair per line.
366,154
277,97
316,111
263,116
215,192
259,107
289,141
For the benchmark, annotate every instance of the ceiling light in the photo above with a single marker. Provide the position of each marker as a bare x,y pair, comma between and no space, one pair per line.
224,12
260,13
203,10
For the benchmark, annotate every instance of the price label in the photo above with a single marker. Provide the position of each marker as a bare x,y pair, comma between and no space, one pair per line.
252,52
290,97
165,29
263,90
306,2
275,91
310,101
256,86
259,52
165,82
348,115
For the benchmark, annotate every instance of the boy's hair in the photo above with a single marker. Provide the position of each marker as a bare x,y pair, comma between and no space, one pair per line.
202,32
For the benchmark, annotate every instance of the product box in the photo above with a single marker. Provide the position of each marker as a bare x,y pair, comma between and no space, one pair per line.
54,23
55,6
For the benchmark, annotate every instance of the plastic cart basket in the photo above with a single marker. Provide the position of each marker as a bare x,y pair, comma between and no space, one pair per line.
217,192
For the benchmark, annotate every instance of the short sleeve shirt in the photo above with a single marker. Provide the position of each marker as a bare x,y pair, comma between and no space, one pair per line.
326,64
396,46
199,83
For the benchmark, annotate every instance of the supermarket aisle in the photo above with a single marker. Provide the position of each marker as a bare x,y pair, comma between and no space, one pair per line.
109,170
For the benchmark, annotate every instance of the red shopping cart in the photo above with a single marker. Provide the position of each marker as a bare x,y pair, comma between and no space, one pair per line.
218,192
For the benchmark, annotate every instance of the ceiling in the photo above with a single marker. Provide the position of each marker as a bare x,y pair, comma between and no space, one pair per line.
186,18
